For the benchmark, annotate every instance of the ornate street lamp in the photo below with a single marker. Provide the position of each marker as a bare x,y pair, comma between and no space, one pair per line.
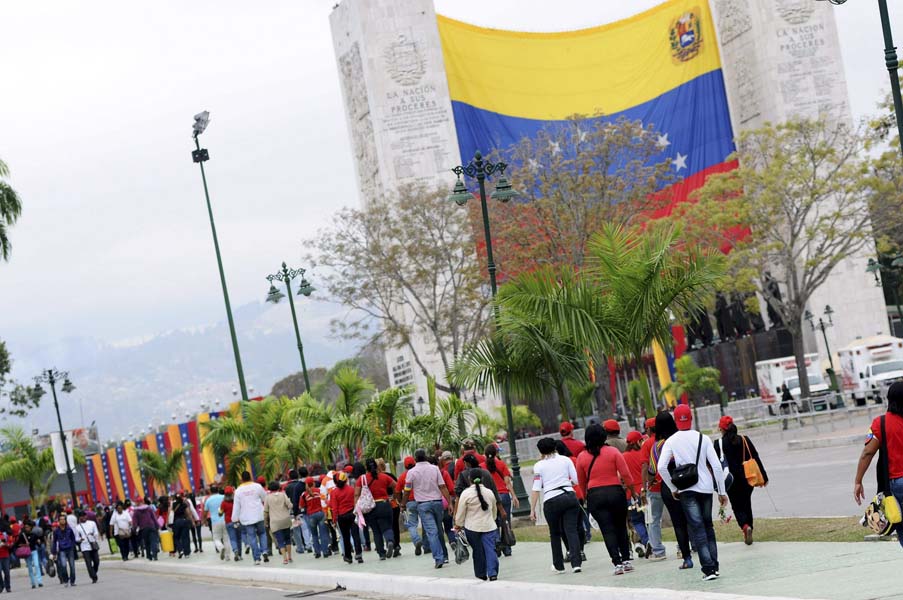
285,275
481,169
51,376
200,156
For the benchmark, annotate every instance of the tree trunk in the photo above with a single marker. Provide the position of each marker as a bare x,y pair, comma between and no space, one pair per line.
799,353
566,397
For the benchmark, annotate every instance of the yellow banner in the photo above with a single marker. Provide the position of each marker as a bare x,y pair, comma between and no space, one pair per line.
175,442
115,475
100,479
208,458
664,373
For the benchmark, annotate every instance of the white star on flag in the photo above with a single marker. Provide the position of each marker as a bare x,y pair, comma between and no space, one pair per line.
662,141
555,146
533,164
581,135
680,162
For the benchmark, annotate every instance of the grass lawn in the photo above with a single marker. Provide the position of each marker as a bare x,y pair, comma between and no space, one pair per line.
835,529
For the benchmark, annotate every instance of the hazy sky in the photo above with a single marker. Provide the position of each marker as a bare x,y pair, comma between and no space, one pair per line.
98,97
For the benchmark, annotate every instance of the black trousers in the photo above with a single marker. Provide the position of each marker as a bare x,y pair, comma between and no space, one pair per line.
396,526
124,546
608,505
196,537
741,501
562,515
380,521
148,540
180,537
350,531
92,561
678,520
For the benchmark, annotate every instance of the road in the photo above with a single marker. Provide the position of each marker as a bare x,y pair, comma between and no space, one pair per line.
116,583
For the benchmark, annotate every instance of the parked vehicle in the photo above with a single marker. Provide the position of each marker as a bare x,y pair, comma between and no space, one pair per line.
868,367
774,373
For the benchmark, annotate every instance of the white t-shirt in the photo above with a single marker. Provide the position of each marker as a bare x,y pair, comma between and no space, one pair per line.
248,504
682,447
554,476
85,533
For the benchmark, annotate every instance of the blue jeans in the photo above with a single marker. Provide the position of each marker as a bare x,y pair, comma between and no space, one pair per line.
638,519
431,513
657,506
698,510
482,546
255,536
234,534
412,522
4,574
33,563
319,534
896,488
65,564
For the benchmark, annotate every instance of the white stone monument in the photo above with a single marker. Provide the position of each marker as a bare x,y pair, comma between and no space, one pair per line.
781,58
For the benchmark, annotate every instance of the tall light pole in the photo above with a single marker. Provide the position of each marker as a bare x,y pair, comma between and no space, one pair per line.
285,275
891,62
481,169
51,376
200,156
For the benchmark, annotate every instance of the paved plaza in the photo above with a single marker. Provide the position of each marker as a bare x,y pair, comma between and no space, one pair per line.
842,571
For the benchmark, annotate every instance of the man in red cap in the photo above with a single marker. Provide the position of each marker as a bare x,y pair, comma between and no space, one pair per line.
688,447
613,430
634,458
567,436
410,515
653,494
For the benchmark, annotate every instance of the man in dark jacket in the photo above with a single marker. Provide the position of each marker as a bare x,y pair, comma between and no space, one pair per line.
145,520
63,551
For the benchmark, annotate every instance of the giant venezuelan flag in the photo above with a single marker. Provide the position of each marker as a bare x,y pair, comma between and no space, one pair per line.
661,67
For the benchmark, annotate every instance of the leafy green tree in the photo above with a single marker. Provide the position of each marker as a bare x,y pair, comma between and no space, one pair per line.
693,380
10,210
161,471
20,399
795,208
22,461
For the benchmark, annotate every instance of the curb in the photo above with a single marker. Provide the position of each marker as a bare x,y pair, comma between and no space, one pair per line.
446,588
843,440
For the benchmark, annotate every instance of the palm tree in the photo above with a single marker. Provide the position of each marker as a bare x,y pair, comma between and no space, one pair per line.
647,277
348,427
692,380
162,470
22,461
10,209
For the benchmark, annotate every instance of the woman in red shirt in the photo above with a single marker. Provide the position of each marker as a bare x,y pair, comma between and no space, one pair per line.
316,518
600,471
379,520
341,502
502,478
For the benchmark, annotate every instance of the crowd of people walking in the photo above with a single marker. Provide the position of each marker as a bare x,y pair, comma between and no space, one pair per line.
448,504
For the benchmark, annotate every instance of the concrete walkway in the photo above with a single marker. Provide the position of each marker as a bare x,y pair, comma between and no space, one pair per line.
848,571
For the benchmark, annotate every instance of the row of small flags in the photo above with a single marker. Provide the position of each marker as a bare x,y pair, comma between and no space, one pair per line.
115,474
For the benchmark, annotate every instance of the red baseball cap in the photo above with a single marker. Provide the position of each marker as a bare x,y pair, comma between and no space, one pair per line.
349,469
611,426
262,480
725,422
409,462
683,417
634,437
229,489
566,428
650,423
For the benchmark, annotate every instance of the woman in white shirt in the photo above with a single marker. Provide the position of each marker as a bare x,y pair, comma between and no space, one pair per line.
121,529
476,515
554,478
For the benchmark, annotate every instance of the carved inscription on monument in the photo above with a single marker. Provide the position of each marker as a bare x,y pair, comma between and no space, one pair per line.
414,117
363,141
734,19
808,64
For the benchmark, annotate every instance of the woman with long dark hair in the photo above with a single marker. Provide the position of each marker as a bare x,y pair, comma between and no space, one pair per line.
379,519
562,448
501,476
476,515
601,471
735,449
665,427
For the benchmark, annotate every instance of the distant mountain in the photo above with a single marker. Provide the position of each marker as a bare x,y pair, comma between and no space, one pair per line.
126,385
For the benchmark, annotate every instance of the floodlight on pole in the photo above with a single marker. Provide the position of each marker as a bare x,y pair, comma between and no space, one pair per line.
200,122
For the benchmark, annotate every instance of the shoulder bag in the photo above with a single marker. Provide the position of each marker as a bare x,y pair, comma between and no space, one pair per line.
365,501
686,476
751,467
23,551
